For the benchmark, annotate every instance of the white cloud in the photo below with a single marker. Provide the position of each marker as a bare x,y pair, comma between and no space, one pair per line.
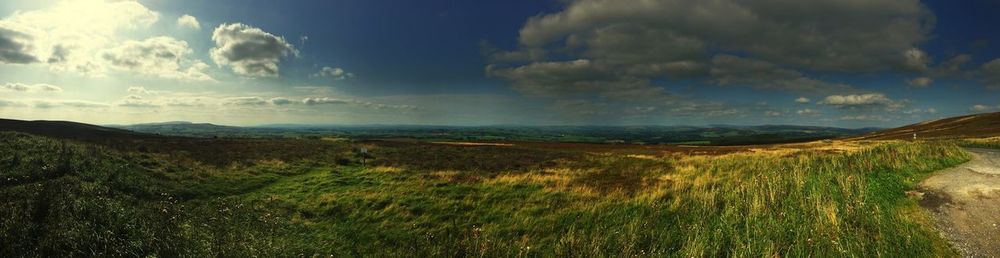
324,100
802,100
188,21
21,87
137,101
863,118
164,57
69,35
244,101
248,50
920,82
920,111
280,101
857,100
69,104
915,59
984,108
334,73
137,90
807,112
355,102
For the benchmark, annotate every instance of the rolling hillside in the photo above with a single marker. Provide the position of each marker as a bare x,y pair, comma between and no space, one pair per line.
970,126
69,130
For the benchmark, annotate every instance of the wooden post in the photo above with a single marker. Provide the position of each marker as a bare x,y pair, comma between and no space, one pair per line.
364,156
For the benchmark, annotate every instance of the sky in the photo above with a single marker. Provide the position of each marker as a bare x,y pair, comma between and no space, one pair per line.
842,63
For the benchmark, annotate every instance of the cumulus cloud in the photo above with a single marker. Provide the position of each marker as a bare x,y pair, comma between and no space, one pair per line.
188,21
137,90
15,47
916,60
802,100
248,50
137,101
22,87
864,102
333,73
824,34
165,57
68,34
920,82
857,100
626,53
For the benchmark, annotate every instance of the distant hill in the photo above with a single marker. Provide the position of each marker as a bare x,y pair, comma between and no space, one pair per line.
970,126
712,135
69,130
183,128
687,135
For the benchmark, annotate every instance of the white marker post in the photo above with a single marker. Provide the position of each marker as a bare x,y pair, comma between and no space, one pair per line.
914,136
364,155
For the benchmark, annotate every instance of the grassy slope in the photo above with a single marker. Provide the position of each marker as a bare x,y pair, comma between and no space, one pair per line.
990,143
466,201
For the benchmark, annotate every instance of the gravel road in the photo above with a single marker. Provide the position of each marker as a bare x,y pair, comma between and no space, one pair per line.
965,202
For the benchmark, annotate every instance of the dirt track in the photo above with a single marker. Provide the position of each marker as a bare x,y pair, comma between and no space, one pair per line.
965,202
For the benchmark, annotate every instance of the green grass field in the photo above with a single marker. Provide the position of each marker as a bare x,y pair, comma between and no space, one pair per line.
72,199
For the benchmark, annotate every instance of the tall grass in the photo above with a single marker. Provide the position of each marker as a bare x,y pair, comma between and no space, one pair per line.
991,143
488,201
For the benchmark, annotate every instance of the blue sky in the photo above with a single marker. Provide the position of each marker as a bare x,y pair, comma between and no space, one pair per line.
601,62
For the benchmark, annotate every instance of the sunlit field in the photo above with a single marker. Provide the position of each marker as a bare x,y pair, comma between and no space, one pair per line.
424,199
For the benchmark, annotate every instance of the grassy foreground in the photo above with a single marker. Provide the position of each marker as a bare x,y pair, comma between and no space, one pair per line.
66,199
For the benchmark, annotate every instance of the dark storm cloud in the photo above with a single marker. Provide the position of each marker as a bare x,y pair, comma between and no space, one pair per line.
823,35
733,70
623,54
